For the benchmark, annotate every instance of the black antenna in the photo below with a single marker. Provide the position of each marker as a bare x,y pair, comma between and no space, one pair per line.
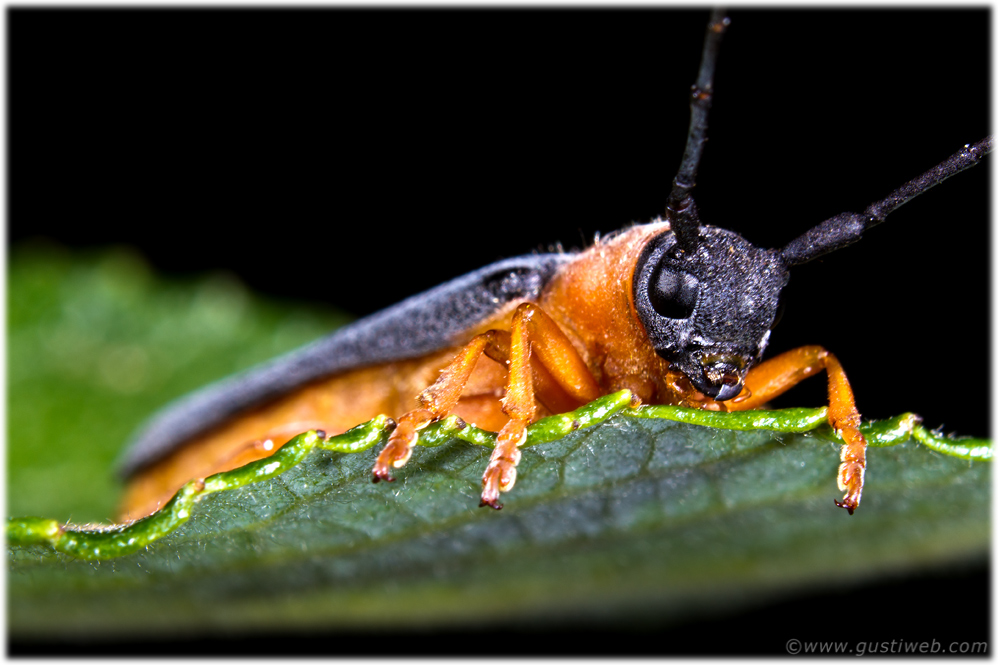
681,210
846,228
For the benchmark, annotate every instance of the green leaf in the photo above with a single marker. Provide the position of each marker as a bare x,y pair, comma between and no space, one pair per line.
633,515
96,343
634,512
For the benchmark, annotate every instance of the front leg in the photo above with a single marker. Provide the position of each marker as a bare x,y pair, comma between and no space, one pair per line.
532,331
779,374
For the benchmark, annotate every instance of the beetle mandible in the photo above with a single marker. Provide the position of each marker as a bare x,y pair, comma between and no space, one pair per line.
672,279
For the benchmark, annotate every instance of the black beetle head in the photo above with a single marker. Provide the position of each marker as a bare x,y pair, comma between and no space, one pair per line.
709,312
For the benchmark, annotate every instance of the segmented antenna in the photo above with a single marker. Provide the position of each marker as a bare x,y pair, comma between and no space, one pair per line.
968,156
681,210
846,228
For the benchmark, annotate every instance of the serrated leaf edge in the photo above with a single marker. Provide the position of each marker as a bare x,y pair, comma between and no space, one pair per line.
102,542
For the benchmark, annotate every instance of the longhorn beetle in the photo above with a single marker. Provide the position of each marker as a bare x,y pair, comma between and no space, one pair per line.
676,311
784,225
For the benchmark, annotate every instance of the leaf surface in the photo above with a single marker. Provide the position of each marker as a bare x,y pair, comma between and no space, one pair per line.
631,514
628,517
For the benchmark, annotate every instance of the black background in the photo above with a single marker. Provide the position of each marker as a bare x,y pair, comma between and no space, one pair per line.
358,157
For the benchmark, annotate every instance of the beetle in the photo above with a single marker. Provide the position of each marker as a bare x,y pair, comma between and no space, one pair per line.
717,142
628,312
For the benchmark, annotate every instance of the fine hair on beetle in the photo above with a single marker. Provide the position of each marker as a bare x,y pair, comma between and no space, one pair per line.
676,311
773,96
576,131
356,158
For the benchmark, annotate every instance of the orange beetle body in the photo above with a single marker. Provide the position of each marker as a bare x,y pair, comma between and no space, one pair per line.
590,299
586,294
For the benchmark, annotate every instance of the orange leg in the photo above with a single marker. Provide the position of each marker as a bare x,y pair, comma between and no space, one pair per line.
546,389
561,376
435,403
779,374
532,331
438,400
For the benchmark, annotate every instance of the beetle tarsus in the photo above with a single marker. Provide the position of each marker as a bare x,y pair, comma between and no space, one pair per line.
845,504
500,474
851,482
852,470
403,438
499,477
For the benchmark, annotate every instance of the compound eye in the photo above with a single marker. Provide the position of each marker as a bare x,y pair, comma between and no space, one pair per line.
673,293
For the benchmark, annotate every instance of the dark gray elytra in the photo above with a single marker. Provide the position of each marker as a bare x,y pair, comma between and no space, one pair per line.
382,157
368,168
781,215
415,327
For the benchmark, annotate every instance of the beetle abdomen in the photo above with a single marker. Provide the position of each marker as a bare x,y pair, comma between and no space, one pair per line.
333,404
421,325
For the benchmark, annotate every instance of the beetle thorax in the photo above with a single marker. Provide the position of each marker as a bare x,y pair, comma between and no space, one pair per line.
592,301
